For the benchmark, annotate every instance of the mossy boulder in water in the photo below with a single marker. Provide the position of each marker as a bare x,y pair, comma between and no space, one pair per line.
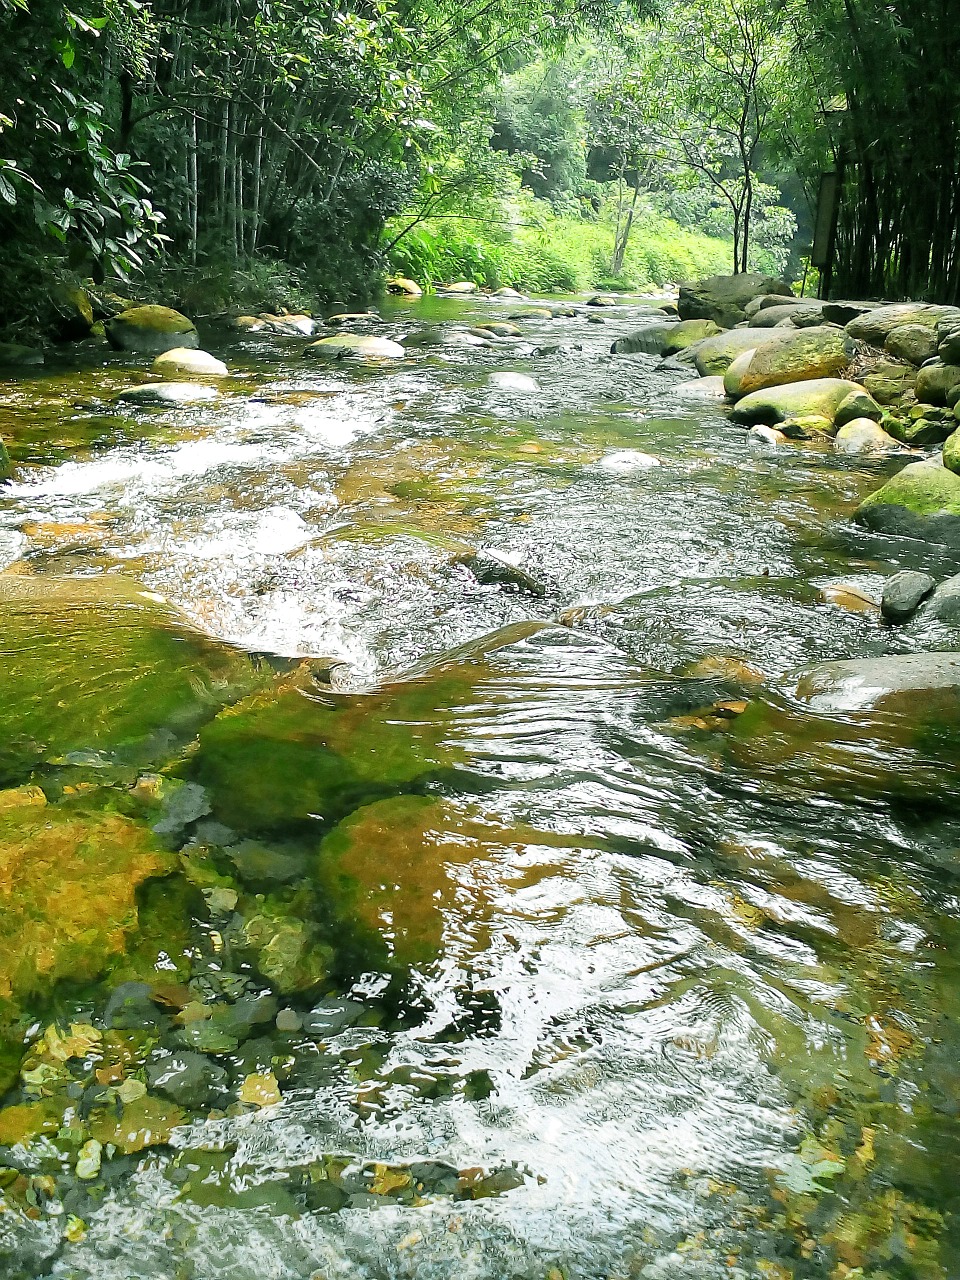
100,669
356,346
795,357
182,360
937,383
6,467
921,501
665,339
835,399
151,330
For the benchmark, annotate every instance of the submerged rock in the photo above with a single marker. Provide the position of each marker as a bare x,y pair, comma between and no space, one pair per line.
99,665
489,569
151,330
169,394
904,593
921,501
884,684
362,346
519,382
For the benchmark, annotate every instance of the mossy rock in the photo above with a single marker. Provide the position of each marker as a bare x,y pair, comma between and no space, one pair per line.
797,357
876,325
914,343
936,381
183,360
888,381
151,330
69,876
723,299
6,467
713,356
951,452
836,399
922,501
99,665
665,339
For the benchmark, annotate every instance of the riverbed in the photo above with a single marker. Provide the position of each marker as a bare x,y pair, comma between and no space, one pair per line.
616,995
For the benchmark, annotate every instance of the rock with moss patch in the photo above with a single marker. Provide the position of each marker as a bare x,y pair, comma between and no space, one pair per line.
665,339
951,452
836,399
922,501
713,356
151,330
795,357
862,435
936,381
875,326
913,343
723,299
889,381
170,395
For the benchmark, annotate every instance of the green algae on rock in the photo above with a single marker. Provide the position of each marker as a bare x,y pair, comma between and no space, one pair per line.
836,399
921,501
151,330
797,357
100,665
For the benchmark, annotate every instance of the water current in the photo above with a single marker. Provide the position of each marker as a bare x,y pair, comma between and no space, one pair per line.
672,1011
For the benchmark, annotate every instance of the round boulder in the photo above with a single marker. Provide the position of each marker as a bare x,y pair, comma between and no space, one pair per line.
936,381
349,346
714,355
183,360
835,399
862,435
922,501
150,330
401,285
519,382
903,593
876,326
460,286
912,343
795,357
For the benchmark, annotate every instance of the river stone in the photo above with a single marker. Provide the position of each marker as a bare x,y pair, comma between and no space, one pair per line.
665,339
919,432
795,313
180,360
355,346
903,593
100,665
862,435
700,389
948,339
768,436
490,570
888,381
796,357
506,292
452,337
951,452
922,501
460,286
401,285
348,317
190,1079
286,325
914,343
498,328
519,382
944,603
602,300
169,394
151,330
533,313
876,326
893,684
6,467
332,1015
936,381
768,300
714,355
839,311
723,298
15,356
833,398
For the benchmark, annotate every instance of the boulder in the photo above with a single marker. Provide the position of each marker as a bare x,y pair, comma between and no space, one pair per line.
723,299
355,346
665,339
6,468
835,399
888,381
497,329
602,300
181,360
15,356
912,343
936,381
451,337
460,287
904,593
767,300
533,313
350,317
150,330
286,325
842,312
796,313
169,394
74,312
862,435
401,285
507,292
922,501
929,426
944,602
948,339
794,357
875,326
714,355
770,437
890,684
700,390
951,452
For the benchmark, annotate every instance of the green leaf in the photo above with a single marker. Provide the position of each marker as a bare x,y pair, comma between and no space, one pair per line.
7,190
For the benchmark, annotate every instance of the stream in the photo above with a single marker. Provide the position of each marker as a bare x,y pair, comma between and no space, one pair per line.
566,976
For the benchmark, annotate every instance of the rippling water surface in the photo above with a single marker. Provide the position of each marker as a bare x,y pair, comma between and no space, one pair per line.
695,1014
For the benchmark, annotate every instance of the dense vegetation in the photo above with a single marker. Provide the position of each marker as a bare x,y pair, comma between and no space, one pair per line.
539,144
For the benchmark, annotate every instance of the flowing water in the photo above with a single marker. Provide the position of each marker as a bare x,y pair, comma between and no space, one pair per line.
608,993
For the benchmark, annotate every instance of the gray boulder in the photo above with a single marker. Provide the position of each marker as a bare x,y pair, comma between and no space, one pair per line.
914,343
936,381
151,330
944,603
876,326
723,299
903,593
892,684
714,356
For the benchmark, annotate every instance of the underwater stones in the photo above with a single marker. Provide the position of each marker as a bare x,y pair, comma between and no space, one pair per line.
168,394
895,683
150,330
99,665
332,1015
260,1089
520,383
921,501
490,569
714,355
863,435
145,1122
904,593
286,951
69,877
182,360
723,299
836,399
189,1079
796,357
355,346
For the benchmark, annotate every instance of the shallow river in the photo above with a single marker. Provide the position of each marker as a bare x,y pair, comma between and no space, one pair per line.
638,1001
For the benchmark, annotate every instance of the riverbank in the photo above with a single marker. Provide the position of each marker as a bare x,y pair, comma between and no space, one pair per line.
456,873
